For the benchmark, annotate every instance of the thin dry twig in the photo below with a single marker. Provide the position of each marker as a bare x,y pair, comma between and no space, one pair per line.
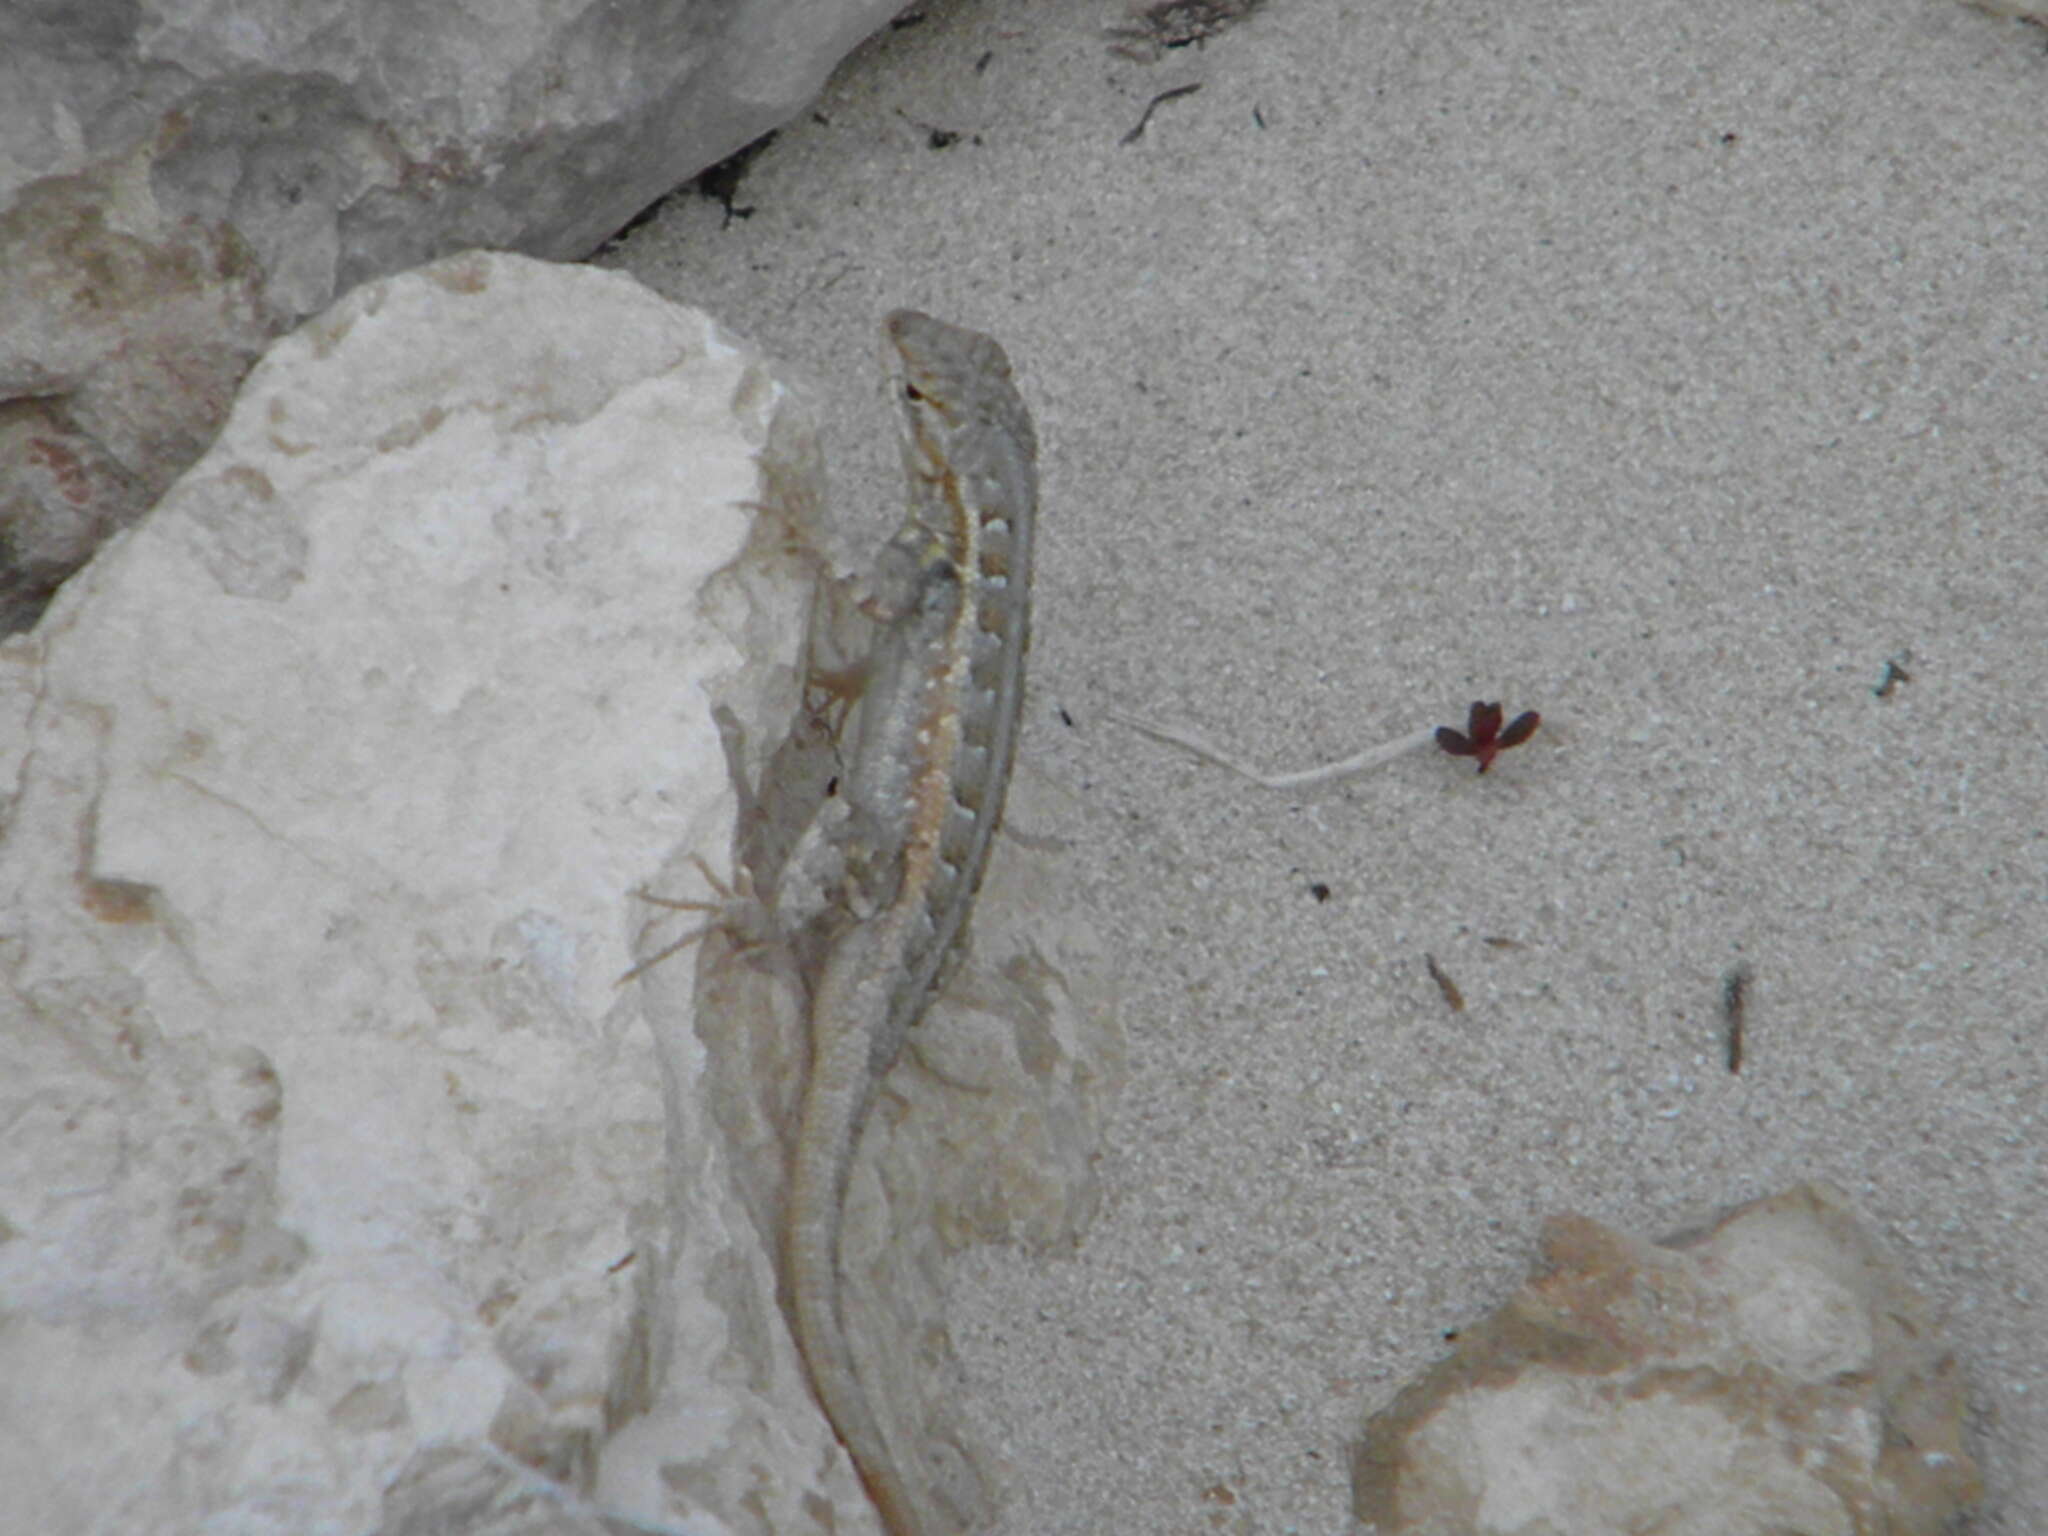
1373,757
1153,106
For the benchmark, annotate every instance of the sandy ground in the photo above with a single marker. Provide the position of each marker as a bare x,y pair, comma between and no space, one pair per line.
1670,369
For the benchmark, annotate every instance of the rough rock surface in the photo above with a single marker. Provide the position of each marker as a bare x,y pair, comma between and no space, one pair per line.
180,181
1770,1374
345,1189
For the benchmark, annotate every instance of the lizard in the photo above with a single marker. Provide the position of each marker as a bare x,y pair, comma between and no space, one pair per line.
924,790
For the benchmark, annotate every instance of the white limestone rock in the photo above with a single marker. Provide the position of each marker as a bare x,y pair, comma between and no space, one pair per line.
345,1189
181,180
330,1125
1773,1373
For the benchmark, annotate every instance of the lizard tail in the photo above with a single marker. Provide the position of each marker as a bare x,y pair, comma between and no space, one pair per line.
837,1098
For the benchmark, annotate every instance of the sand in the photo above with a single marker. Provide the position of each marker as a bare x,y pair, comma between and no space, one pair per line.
1676,371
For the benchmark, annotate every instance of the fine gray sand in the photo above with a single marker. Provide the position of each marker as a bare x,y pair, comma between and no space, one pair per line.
1670,369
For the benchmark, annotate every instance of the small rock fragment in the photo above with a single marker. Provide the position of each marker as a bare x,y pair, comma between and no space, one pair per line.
1771,1373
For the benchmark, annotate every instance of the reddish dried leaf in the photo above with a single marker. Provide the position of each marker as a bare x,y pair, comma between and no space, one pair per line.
1520,729
1482,737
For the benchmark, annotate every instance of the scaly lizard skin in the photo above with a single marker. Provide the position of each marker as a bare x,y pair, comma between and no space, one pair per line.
925,789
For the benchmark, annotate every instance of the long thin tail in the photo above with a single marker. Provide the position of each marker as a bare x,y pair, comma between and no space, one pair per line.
836,1103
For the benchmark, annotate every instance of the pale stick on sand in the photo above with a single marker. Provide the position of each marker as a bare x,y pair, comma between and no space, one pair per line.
1372,757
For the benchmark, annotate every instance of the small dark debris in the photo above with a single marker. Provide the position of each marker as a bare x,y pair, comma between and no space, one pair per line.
1496,941
1895,673
982,63
1258,116
935,137
1734,1006
1166,24
720,183
1153,105
1066,719
1731,138
1319,890
639,220
631,1255
1444,984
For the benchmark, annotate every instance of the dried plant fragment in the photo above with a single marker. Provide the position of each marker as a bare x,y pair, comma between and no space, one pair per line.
1166,24
1483,738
